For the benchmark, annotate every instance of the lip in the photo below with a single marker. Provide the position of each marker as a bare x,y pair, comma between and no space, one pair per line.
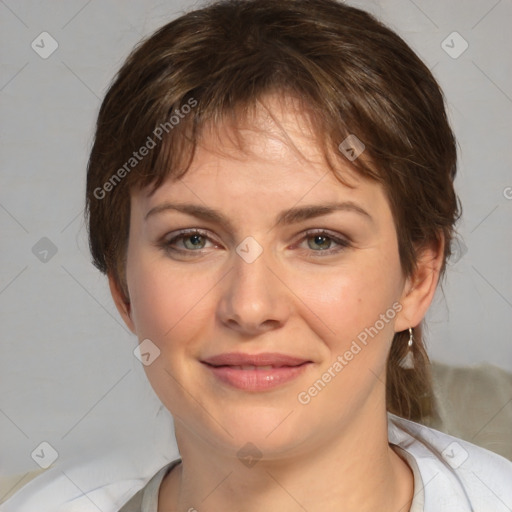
264,359
278,369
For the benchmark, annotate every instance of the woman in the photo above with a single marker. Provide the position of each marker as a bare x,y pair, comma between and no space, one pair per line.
270,193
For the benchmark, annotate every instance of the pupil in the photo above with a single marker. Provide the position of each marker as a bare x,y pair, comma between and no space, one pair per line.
321,241
195,240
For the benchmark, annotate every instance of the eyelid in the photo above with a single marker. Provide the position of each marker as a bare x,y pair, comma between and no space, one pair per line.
327,232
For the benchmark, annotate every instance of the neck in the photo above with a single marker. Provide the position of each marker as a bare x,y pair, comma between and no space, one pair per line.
355,470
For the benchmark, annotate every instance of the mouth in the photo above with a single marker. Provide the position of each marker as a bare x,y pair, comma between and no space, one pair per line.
256,372
250,367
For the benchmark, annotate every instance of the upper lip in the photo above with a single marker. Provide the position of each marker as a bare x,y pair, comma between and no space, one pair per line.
264,359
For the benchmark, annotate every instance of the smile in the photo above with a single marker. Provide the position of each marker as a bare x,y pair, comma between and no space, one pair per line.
255,373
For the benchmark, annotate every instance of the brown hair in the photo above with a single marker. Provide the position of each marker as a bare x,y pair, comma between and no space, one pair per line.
352,74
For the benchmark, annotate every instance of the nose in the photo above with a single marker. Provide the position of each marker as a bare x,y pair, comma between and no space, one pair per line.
254,298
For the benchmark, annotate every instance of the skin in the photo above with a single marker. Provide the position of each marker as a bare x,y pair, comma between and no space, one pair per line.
333,453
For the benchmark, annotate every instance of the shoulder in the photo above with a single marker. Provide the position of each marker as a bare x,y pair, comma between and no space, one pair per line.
57,490
454,472
134,504
72,489
146,499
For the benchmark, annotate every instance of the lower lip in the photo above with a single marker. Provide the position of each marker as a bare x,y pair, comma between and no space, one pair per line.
257,380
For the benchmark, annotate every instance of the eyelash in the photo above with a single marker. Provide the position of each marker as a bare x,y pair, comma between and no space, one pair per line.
342,243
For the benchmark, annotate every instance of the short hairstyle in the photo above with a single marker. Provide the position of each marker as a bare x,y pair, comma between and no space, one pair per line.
352,75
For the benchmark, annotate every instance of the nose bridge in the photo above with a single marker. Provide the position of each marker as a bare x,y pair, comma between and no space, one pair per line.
251,275
252,297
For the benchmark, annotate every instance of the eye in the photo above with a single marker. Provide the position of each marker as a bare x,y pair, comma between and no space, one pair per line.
321,241
197,241
191,241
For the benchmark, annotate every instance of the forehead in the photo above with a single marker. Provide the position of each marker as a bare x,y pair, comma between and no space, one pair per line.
271,155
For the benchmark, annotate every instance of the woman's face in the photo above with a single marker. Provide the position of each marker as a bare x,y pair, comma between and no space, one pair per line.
281,259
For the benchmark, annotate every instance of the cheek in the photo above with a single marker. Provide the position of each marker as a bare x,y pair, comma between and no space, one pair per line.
352,297
165,298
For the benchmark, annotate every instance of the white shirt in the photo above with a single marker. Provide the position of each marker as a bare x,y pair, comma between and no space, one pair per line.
450,475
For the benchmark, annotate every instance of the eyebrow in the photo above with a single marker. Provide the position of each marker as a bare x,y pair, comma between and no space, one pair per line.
292,216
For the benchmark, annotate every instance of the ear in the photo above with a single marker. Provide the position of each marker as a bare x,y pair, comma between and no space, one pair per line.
419,289
122,303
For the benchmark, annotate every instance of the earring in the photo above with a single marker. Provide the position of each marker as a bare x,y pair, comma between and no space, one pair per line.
407,362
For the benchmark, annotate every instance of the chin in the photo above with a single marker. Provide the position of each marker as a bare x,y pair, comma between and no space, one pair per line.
270,432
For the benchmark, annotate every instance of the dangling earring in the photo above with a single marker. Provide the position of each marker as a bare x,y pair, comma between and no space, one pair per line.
407,362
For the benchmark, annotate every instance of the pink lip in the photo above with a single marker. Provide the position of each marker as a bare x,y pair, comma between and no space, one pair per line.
226,367
264,359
